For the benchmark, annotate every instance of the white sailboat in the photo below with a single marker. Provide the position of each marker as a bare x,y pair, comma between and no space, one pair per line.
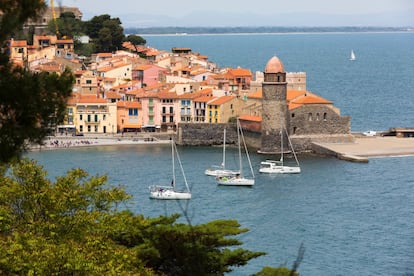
170,192
279,167
221,170
353,57
239,179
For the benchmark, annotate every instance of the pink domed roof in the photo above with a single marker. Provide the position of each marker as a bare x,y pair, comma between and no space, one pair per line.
274,65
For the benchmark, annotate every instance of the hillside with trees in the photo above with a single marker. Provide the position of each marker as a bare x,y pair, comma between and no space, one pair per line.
75,225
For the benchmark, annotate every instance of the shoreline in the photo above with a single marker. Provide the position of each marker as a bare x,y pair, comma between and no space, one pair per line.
361,149
66,142
364,148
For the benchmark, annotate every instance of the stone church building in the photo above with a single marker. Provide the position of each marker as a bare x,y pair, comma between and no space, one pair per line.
278,107
277,111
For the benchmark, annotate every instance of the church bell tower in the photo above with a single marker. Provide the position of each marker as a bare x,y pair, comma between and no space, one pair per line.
274,108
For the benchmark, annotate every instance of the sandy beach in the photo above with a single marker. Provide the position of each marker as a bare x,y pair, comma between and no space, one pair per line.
361,149
60,142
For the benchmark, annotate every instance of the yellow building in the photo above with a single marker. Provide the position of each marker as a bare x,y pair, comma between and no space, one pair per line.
88,114
221,109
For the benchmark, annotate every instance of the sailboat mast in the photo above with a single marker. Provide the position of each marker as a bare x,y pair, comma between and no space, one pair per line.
247,151
223,164
238,140
173,162
281,146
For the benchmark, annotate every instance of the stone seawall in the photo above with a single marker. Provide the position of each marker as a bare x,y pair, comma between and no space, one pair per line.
190,134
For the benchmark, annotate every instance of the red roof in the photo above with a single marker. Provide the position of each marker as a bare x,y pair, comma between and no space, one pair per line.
222,100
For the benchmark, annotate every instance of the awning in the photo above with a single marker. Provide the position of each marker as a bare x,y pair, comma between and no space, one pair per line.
132,126
66,126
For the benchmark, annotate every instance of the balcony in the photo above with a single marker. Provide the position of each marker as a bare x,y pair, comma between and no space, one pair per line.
92,122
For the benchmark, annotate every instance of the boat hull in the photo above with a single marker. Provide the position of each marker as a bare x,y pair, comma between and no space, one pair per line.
161,192
280,169
235,181
218,172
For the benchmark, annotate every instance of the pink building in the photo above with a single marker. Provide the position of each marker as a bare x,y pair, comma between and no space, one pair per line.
148,74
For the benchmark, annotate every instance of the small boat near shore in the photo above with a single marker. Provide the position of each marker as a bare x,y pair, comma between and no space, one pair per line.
239,179
170,192
279,166
221,170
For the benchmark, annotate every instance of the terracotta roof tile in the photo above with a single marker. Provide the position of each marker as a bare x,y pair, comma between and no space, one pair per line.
250,118
112,95
18,43
256,95
222,100
204,99
90,99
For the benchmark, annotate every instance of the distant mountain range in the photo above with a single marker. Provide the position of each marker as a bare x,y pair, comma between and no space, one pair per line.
228,19
246,30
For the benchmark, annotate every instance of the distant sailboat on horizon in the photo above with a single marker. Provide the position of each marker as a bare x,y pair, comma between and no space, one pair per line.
353,57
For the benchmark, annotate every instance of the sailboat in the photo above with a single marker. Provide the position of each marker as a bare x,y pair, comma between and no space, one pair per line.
239,179
221,170
353,57
279,167
170,192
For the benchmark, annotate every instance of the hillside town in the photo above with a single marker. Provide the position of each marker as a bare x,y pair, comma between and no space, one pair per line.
143,89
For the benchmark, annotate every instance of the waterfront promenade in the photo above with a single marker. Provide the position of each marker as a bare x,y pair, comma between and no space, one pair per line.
365,147
360,150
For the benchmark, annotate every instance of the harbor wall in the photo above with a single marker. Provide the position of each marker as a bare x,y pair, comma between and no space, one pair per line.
196,134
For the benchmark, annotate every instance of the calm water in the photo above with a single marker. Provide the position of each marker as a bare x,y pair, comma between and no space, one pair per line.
376,90
354,219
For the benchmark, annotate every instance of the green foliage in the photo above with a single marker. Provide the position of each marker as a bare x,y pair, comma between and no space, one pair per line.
14,13
136,39
73,226
55,228
30,102
68,26
279,271
106,33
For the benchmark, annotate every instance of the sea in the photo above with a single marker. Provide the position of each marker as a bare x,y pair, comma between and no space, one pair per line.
350,218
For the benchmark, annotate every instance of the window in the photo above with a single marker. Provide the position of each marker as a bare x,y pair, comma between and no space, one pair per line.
80,117
104,117
293,115
89,128
310,116
96,117
317,116
96,128
88,81
81,128
89,117
294,130
133,111
171,110
324,116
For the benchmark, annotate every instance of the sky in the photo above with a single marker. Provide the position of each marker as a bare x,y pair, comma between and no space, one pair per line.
251,12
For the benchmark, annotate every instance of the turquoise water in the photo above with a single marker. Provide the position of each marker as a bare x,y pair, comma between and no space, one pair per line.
353,219
376,90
